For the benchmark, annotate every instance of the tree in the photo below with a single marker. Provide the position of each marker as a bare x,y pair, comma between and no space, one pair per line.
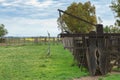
106,29
85,11
111,29
3,31
116,8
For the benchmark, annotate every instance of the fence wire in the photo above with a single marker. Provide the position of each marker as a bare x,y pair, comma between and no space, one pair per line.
13,41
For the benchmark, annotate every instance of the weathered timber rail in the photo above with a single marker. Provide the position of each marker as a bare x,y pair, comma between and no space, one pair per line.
87,35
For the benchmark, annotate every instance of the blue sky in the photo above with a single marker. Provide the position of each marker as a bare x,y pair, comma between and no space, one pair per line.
36,17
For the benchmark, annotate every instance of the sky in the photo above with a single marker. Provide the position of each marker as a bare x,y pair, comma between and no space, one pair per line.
37,17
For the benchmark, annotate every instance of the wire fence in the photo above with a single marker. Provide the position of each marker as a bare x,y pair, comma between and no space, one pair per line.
13,41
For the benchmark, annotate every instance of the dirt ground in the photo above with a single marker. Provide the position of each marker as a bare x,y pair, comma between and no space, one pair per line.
94,77
88,78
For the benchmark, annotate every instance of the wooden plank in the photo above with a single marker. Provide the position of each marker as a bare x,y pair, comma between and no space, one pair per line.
91,58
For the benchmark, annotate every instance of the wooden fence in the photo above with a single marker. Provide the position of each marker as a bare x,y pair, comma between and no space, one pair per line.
28,40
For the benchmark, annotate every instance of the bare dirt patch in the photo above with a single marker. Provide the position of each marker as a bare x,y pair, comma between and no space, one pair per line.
88,78
95,77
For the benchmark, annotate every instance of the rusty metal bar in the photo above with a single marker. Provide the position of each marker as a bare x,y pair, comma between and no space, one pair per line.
77,17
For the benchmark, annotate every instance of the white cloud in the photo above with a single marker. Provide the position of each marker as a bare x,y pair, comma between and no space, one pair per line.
36,17
108,22
31,8
2,1
31,27
8,4
36,3
27,3
30,17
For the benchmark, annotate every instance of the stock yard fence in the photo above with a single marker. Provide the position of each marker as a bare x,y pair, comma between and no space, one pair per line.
14,41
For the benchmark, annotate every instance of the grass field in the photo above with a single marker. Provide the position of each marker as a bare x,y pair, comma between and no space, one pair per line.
110,77
31,62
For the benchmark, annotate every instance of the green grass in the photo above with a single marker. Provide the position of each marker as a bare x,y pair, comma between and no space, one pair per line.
31,63
110,77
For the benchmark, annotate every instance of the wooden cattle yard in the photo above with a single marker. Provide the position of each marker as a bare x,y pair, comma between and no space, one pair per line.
97,51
